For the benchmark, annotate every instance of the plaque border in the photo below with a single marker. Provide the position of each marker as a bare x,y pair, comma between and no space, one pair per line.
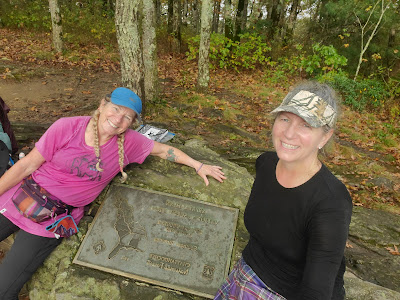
145,279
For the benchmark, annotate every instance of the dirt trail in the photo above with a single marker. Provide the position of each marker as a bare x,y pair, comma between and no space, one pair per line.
55,94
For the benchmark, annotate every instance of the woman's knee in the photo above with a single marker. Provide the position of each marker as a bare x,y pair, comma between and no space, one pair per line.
26,255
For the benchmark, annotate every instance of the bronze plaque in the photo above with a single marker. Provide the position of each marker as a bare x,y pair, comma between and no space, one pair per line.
162,239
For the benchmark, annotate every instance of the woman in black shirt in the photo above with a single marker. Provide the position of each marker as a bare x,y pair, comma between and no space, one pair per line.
298,213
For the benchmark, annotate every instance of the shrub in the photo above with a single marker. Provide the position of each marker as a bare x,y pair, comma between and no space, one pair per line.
82,21
323,59
247,53
19,14
91,21
359,95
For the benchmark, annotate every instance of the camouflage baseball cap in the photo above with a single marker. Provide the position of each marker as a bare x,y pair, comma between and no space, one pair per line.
310,107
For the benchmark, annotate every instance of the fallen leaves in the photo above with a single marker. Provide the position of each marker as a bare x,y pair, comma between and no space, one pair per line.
348,245
394,250
38,49
7,73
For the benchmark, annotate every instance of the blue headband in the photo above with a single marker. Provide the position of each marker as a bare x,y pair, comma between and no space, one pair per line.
125,97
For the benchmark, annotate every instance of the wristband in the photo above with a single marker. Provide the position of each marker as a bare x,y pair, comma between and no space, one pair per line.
199,168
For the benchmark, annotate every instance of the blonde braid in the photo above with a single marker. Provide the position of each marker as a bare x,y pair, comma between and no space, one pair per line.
96,139
121,155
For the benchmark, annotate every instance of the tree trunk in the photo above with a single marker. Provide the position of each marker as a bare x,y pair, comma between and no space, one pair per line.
150,50
273,17
158,12
244,16
196,17
239,18
185,13
322,13
129,44
314,18
268,6
291,22
256,11
228,19
108,5
391,45
315,14
276,15
176,25
206,20
170,26
56,25
364,48
217,12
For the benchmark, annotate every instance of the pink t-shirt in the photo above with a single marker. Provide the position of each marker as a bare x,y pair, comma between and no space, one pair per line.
69,172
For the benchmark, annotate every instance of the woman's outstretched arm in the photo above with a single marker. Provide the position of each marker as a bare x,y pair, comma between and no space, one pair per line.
173,154
21,169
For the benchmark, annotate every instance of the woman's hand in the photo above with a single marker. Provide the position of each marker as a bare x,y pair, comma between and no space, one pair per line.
173,154
21,169
206,170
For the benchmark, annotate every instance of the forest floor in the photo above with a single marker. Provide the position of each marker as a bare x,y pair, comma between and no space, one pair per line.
40,87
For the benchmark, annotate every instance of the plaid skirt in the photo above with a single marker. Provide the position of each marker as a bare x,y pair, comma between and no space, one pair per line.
243,284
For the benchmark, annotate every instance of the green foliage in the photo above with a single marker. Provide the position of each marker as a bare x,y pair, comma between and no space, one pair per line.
392,129
83,21
90,21
389,134
276,76
247,53
359,95
383,73
337,25
329,58
19,14
394,111
324,59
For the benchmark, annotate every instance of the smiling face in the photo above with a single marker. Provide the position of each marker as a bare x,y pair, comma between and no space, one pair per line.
114,119
295,141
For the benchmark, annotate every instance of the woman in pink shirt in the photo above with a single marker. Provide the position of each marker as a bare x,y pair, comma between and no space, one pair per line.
73,161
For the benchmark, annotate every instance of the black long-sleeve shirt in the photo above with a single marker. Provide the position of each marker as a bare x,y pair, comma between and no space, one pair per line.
298,235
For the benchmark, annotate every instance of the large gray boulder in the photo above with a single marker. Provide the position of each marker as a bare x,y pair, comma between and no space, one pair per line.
372,235
358,289
60,279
